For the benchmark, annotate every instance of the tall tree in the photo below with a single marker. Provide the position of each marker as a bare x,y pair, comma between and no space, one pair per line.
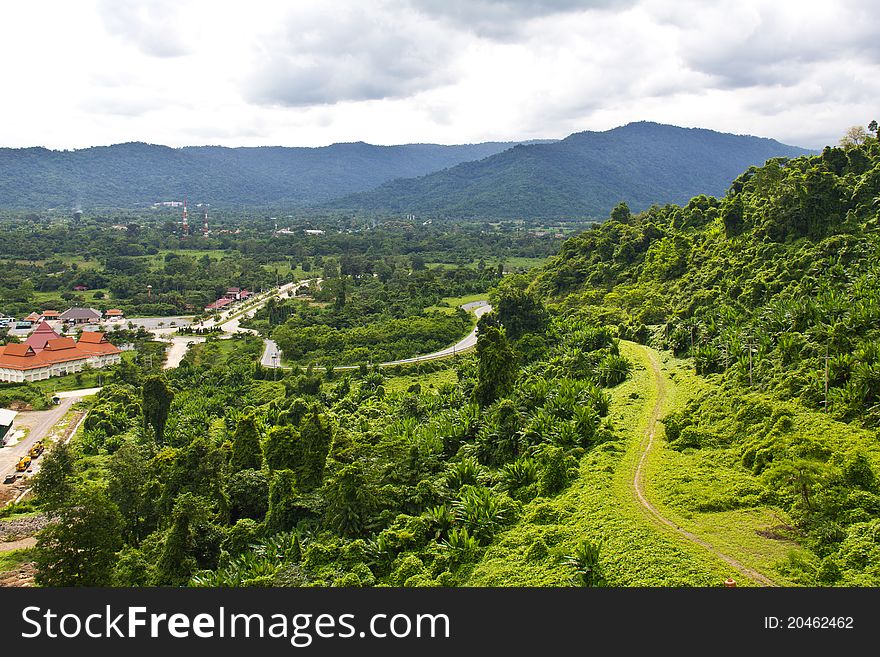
53,484
497,366
128,476
191,543
284,512
79,548
315,436
246,452
157,398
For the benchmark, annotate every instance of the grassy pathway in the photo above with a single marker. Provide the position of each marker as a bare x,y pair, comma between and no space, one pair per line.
638,480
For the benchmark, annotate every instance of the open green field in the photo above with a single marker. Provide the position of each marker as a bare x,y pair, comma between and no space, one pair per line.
449,304
88,296
428,382
285,273
158,260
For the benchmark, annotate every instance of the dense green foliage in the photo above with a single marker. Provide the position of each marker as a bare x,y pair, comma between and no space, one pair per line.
773,293
45,257
311,481
357,317
584,175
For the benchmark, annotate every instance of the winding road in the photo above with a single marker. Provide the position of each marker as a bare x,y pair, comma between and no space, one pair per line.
638,482
229,324
272,355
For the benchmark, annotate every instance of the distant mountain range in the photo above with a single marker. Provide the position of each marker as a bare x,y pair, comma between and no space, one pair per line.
583,175
136,174
586,174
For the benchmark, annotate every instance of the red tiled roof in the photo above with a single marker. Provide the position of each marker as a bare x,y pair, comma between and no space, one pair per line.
113,311
50,313
92,337
41,336
18,350
33,317
57,350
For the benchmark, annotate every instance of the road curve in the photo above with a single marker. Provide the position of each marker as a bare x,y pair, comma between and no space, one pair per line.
639,480
478,308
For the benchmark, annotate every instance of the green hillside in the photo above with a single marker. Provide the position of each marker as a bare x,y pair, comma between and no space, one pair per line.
772,295
586,174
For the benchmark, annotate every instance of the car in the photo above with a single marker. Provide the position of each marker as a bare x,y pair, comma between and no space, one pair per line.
10,478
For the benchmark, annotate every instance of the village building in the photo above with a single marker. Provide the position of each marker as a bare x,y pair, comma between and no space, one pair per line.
58,357
114,313
33,317
81,315
50,314
39,338
219,304
7,418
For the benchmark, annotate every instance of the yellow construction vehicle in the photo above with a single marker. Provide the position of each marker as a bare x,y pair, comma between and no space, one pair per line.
23,463
36,449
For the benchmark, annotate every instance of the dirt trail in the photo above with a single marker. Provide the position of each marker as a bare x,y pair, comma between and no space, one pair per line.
639,480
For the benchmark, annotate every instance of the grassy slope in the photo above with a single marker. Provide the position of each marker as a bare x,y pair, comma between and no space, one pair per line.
685,485
601,505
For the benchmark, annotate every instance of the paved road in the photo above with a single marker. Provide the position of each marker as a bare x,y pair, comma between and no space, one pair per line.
40,424
478,308
229,323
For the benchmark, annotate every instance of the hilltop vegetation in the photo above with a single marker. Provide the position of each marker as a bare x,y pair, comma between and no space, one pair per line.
773,293
584,175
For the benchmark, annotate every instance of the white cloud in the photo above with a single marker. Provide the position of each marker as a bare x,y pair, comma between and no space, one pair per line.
395,71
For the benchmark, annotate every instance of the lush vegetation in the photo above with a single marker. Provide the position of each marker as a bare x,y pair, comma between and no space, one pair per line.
584,175
514,464
357,316
772,293
45,257
219,475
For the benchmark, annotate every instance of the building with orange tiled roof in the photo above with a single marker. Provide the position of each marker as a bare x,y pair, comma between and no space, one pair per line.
113,313
41,336
50,314
58,356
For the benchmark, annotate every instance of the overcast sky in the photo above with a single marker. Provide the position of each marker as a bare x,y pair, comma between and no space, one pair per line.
303,73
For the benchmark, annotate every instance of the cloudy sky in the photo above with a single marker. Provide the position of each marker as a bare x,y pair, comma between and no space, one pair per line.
309,73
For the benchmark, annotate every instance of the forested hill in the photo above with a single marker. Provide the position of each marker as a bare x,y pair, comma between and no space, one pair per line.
772,294
585,174
126,175
786,262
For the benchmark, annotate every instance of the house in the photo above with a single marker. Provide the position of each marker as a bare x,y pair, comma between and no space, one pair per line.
114,313
39,338
33,317
50,314
219,304
233,293
81,315
80,288
7,417
59,356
